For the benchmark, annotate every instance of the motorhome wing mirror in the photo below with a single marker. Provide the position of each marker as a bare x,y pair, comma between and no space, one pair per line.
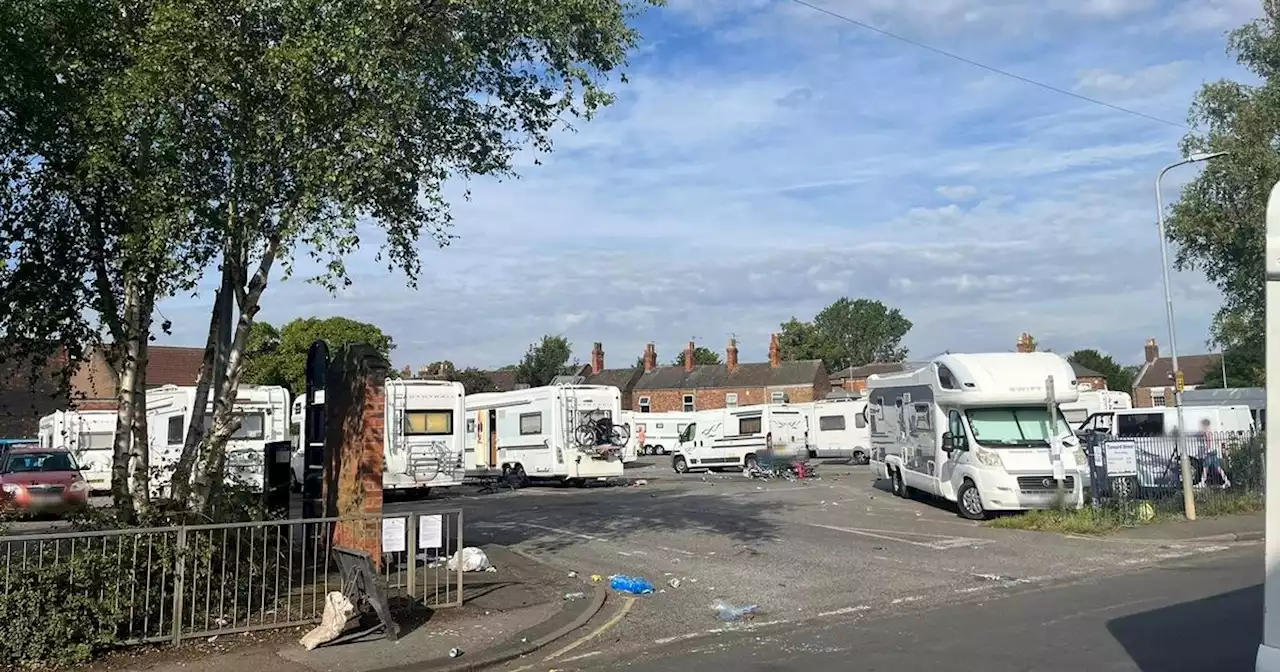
948,442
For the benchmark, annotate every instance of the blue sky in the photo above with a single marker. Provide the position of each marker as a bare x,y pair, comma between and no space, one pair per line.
766,159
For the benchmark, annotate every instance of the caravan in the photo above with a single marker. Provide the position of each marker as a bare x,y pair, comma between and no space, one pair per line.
533,433
658,433
264,419
976,429
90,436
424,434
741,437
838,428
1094,401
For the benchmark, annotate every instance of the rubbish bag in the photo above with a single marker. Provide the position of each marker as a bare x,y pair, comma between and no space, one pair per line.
728,613
472,559
630,584
337,611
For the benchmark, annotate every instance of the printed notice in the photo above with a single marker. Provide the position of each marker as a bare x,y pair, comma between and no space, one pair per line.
430,532
393,535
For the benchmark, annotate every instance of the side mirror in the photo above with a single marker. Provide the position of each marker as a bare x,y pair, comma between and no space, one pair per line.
948,442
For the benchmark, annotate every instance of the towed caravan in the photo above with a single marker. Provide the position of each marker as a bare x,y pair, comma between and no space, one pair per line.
741,437
658,433
838,427
540,433
90,436
977,429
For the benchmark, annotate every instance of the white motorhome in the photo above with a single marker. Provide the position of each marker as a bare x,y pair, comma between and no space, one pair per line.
658,433
741,437
90,435
264,418
838,428
976,429
530,433
425,440
1148,422
1095,401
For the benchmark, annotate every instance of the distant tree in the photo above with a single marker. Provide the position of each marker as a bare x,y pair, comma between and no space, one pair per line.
544,360
639,362
281,357
1246,367
849,332
442,368
1130,374
474,380
1117,377
701,356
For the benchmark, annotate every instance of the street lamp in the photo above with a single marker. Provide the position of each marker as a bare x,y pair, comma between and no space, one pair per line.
1188,498
1268,659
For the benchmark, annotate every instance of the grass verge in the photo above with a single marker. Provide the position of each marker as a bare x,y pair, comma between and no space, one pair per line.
1112,516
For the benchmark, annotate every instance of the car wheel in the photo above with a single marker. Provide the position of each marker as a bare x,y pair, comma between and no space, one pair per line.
680,465
970,502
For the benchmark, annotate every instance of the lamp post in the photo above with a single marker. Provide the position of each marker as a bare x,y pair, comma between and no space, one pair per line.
1188,497
1268,659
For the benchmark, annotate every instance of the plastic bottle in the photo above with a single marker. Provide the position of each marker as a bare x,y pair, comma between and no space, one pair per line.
729,613
633,585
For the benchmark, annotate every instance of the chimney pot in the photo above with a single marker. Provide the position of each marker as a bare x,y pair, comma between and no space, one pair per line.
650,358
1152,351
424,371
406,372
775,353
688,356
731,353
597,358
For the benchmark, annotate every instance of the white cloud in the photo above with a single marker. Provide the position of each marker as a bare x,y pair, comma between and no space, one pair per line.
738,184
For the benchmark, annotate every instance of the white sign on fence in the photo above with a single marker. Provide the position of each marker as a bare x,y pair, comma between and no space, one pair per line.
430,532
393,535
1122,458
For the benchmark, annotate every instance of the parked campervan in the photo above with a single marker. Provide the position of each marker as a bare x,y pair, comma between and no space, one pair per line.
534,433
264,418
658,433
425,440
741,437
1094,401
838,428
977,429
90,436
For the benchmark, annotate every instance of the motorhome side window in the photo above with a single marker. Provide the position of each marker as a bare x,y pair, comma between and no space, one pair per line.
530,423
436,422
686,434
750,425
832,423
175,433
946,380
860,420
1139,424
471,425
252,426
955,425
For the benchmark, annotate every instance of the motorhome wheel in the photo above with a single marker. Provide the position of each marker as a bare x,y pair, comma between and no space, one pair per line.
750,463
970,501
895,483
860,457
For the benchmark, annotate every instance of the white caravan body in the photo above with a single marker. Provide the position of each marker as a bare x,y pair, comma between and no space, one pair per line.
264,418
1161,421
838,427
425,439
631,451
297,421
741,436
1095,401
531,432
90,436
994,407
661,431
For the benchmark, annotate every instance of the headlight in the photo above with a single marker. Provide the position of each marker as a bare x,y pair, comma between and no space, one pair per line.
79,486
988,458
11,488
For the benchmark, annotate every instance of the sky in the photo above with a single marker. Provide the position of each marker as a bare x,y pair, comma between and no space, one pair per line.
766,159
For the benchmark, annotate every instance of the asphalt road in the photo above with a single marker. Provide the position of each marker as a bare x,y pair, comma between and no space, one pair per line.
1199,613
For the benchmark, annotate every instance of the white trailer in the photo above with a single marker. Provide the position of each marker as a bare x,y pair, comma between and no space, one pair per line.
976,429
740,437
425,440
529,434
838,427
658,433
1095,401
90,436
264,418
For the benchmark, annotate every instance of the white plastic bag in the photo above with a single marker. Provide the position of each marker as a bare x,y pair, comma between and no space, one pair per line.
337,611
472,558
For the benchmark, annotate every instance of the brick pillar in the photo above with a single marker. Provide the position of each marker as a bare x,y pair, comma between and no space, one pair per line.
355,401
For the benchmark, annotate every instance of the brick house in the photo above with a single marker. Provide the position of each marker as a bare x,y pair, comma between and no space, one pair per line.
691,387
1154,384
92,386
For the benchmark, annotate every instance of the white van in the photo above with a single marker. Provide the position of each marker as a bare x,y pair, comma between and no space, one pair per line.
658,433
976,429
741,437
90,436
838,428
531,433
1095,401
1161,421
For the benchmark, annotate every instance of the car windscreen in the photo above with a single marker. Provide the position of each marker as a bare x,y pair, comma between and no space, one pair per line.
21,463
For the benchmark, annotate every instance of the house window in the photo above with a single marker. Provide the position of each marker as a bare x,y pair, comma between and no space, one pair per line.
731,400
750,425
530,423
831,423
175,430
644,404
688,403
1157,398
778,397
437,422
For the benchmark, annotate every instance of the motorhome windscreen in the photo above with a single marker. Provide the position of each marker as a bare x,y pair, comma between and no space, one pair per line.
1013,426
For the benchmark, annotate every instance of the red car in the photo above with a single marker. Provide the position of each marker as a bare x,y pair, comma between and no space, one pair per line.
37,479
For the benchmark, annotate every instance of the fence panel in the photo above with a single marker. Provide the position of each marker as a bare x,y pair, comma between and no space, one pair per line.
174,583
1227,471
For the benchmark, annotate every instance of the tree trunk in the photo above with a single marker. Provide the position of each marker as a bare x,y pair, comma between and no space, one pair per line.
196,434
141,485
125,397
212,455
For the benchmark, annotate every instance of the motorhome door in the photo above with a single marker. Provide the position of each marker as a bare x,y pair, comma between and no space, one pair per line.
491,437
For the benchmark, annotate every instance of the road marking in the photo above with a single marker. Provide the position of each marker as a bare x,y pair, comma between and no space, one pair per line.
745,627
622,613
571,533
943,542
845,610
